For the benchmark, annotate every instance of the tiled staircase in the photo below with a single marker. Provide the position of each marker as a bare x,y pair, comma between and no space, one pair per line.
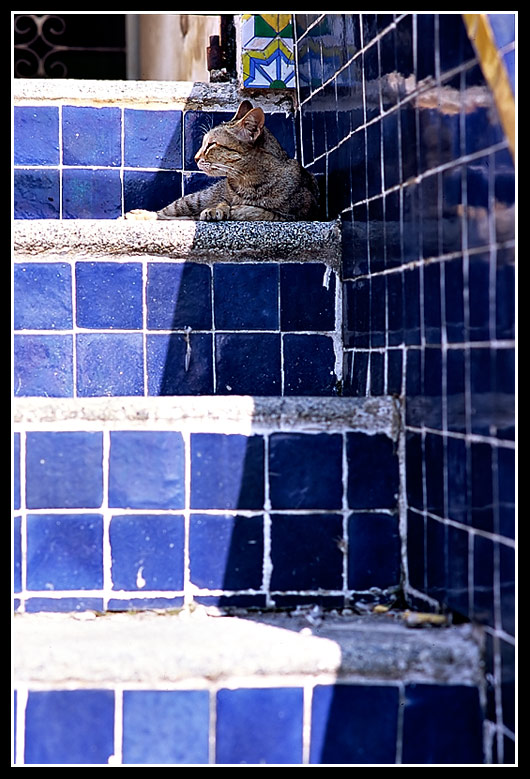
208,556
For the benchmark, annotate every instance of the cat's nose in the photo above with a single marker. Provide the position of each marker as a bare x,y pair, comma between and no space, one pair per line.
197,156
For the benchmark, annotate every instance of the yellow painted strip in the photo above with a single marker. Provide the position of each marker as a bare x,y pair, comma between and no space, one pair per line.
481,35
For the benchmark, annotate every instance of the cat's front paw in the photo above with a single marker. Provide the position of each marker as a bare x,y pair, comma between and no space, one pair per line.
141,215
217,214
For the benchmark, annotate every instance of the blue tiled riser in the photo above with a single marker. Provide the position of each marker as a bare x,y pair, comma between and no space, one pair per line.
83,162
144,518
315,724
96,328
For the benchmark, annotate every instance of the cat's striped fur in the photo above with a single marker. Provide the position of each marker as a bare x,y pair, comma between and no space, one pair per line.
258,180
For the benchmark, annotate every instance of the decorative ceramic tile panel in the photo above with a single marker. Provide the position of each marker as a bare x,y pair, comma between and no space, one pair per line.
267,51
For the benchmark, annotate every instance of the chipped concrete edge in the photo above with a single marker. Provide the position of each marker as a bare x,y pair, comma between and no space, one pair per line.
170,95
157,649
218,413
52,240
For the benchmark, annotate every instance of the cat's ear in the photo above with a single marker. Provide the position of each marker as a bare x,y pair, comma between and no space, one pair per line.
244,108
251,125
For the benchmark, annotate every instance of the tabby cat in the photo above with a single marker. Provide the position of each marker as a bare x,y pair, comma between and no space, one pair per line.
260,181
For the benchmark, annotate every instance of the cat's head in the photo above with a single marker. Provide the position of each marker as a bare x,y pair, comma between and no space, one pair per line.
225,148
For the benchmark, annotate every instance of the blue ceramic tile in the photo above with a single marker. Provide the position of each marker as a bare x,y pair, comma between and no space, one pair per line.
373,158
91,136
354,724
65,552
168,727
510,64
505,295
455,387
227,471
248,364
377,373
414,469
457,584
357,313
91,194
374,551
180,364
392,232
451,228
259,726
309,365
394,375
454,300
152,139
506,491
432,315
307,297
483,580
410,165
36,135
457,466
315,561
144,602
507,588
147,552
64,470
411,306
150,189
17,555
436,558
109,295
305,471
109,364
245,296
479,297
416,550
63,605
373,478
503,28
36,194
508,695
16,471
42,294
434,473
146,470
432,387
389,129
442,724
481,487
68,727
283,128
178,296
394,298
226,553
378,312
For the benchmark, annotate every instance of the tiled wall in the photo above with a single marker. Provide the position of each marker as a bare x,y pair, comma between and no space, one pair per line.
397,119
88,162
119,518
314,724
96,328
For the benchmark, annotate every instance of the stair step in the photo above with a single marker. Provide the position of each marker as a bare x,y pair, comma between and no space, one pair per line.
233,502
181,239
193,687
118,308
